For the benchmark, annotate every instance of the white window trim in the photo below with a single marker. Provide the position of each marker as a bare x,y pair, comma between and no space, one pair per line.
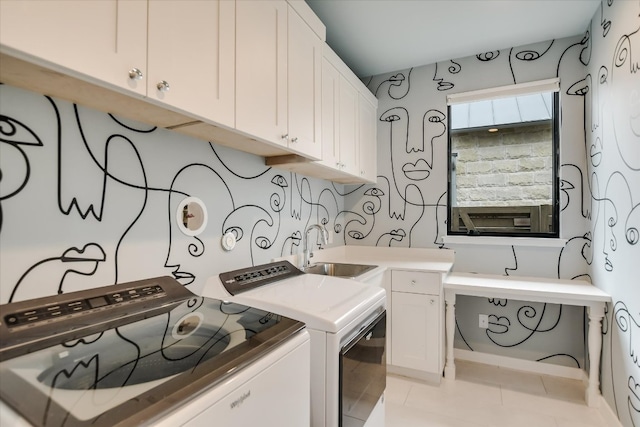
549,85
543,242
528,88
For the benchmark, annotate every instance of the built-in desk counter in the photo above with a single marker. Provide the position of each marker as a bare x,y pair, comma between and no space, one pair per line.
568,292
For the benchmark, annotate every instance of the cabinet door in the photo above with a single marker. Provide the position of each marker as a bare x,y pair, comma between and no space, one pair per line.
192,48
304,87
414,331
96,40
367,138
330,119
348,126
261,69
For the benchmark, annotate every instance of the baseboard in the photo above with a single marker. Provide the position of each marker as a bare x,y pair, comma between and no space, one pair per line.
521,364
610,417
428,377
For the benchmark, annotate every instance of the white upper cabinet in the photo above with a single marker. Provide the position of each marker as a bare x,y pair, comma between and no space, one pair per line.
191,51
304,88
339,121
330,115
348,106
102,40
247,74
179,54
261,69
278,86
368,137
349,123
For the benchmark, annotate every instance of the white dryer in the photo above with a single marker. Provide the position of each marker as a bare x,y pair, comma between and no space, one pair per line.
347,323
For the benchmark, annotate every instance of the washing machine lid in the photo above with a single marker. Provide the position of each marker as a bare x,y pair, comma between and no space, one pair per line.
324,303
127,369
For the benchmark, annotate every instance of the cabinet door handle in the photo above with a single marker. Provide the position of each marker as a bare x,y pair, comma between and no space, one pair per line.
294,139
285,136
431,301
135,74
413,282
163,86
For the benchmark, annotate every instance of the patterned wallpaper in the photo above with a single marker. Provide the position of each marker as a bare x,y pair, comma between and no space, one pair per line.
611,93
600,194
407,207
89,199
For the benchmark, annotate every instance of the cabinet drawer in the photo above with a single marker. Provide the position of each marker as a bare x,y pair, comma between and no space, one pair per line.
417,282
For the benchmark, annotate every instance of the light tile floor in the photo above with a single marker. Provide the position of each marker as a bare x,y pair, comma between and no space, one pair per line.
489,396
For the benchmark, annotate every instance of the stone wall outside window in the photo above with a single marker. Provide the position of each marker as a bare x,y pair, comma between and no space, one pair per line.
511,167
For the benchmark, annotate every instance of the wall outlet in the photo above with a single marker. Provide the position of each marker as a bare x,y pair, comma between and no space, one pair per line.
483,321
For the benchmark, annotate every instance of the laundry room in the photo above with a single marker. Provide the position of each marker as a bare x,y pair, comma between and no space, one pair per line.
442,196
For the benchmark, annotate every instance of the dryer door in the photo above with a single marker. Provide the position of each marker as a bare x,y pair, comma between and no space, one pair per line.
363,373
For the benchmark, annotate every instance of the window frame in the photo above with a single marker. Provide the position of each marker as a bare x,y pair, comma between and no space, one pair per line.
551,85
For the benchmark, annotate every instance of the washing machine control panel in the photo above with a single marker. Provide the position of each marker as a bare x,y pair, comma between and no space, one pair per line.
80,306
245,279
26,326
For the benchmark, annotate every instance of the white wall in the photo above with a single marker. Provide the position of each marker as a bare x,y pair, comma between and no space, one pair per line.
89,200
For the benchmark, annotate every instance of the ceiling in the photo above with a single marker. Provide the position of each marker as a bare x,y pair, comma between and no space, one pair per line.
379,36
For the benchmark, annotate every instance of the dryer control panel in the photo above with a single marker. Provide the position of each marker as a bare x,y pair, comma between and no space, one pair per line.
245,279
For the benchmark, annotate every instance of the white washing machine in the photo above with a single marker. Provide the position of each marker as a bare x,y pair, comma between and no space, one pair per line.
347,324
150,353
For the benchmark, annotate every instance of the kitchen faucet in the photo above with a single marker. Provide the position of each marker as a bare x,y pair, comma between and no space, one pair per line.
308,254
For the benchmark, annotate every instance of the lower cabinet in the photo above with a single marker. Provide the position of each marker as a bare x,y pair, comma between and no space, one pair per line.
416,324
414,334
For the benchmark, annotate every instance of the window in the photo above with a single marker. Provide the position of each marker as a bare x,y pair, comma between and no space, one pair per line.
503,161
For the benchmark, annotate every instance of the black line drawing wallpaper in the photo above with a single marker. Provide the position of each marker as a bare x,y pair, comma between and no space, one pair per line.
599,75
89,199
612,126
410,196
82,194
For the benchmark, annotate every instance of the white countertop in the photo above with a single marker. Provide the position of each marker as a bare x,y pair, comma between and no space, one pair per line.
322,302
560,291
419,259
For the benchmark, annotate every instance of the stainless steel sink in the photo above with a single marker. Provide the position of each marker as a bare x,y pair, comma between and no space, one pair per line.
339,270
